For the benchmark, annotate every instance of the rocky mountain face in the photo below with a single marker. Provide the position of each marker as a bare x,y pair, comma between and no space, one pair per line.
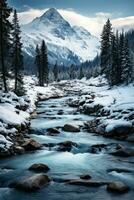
66,44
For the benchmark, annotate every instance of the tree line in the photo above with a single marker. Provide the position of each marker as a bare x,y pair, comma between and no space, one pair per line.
115,56
11,57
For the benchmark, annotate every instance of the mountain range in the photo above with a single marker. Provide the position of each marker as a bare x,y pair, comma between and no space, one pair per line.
65,43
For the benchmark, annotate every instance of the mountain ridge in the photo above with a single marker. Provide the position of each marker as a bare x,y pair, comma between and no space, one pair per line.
67,44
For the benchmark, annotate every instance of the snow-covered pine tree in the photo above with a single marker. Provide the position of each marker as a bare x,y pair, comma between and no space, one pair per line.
17,56
5,28
44,64
106,39
55,72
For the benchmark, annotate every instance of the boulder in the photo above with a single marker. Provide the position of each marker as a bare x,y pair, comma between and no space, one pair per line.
85,177
18,150
31,183
91,108
130,138
97,148
122,152
71,128
40,167
66,146
118,187
53,131
30,145
119,129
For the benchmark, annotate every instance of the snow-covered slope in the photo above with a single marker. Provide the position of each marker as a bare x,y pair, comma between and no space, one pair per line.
65,43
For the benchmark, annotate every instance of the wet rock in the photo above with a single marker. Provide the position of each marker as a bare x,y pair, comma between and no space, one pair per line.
87,183
31,145
60,112
53,131
94,126
66,146
130,138
119,130
73,103
32,183
92,108
122,152
18,149
71,128
40,167
118,187
85,177
97,148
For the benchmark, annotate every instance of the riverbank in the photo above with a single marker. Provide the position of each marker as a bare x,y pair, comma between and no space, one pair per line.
16,112
112,108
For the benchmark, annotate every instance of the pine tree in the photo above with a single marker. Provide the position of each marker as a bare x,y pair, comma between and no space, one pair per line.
122,58
127,67
81,74
5,28
17,56
44,64
72,72
114,71
38,64
106,39
55,71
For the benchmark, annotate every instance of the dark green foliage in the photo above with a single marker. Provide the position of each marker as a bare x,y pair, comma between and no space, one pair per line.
72,72
17,56
115,57
81,75
55,72
5,28
106,40
41,61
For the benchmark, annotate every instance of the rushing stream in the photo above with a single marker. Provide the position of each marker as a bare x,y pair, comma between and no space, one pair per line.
71,164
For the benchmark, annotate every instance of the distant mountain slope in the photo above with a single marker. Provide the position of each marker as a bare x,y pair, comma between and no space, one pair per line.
65,43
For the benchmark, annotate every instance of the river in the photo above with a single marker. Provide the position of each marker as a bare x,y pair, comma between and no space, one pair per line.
66,165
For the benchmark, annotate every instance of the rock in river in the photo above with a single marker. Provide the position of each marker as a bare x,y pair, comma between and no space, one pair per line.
40,167
118,187
31,183
66,146
71,128
53,131
30,145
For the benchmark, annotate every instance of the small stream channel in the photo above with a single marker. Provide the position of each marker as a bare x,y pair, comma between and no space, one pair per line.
66,165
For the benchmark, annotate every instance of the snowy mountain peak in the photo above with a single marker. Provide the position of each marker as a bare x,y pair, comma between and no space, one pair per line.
52,15
65,43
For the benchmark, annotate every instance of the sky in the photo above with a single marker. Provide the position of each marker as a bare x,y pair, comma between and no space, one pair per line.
91,14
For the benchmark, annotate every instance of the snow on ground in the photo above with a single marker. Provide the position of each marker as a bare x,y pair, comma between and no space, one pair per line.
114,106
117,103
15,111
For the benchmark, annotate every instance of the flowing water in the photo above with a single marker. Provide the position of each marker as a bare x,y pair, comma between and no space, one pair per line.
65,165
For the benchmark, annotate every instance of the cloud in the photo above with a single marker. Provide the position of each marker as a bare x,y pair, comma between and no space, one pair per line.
93,24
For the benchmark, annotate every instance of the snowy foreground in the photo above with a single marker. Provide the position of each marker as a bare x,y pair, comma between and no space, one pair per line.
113,108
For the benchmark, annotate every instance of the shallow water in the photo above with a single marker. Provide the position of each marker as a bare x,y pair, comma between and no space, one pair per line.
66,164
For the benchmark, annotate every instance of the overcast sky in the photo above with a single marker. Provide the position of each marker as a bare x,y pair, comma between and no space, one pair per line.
90,14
